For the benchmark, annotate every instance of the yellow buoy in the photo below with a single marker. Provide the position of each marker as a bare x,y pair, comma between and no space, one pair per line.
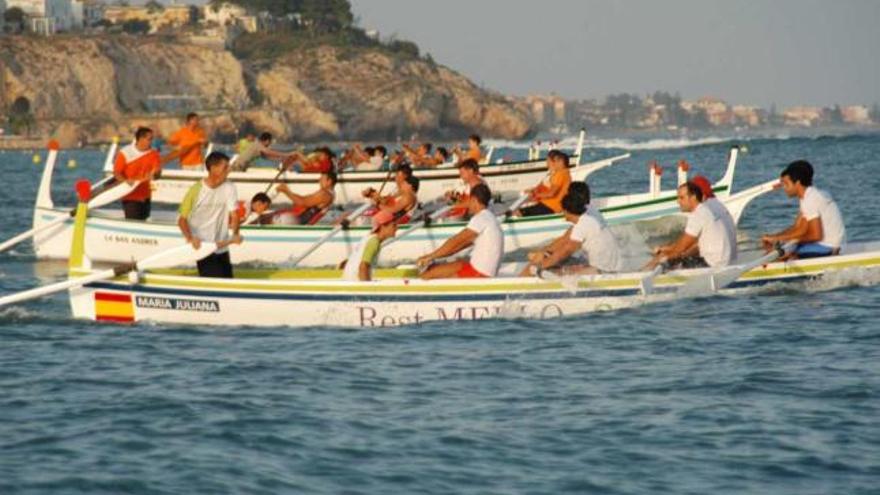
71,163
36,159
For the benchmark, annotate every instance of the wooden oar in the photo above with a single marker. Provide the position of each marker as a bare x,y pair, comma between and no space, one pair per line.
427,221
718,279
326,237
106,197
172,257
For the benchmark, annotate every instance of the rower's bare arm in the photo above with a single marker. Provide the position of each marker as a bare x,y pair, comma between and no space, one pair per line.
364,272
562,252
183,225
814,231
317,198
274,155
285,190
793,233
455,244
681,246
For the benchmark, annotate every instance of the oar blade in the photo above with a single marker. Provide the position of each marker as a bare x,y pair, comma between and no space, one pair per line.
116,192
53,288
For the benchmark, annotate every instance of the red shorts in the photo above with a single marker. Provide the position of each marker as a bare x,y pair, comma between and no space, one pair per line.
468,271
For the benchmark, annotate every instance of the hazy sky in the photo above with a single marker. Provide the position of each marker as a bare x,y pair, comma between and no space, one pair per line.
745,51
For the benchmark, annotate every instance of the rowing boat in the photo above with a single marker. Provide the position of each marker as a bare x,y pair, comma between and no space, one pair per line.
111,238
504,179
307,298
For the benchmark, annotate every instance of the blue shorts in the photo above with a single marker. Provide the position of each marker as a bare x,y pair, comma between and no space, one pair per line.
813,250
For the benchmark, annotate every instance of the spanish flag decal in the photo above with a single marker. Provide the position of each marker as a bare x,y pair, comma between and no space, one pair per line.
114,307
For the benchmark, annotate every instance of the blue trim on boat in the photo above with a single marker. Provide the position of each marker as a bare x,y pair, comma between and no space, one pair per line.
372,297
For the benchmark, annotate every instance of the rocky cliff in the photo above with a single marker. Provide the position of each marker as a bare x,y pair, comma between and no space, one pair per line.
93,88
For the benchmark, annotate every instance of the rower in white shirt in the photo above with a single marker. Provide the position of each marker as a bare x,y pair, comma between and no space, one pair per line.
589,234
716,244
818,228
483,232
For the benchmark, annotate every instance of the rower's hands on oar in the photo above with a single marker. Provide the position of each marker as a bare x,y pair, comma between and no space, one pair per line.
424,261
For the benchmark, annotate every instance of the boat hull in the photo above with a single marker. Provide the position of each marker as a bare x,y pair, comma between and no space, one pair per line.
283,301
117,240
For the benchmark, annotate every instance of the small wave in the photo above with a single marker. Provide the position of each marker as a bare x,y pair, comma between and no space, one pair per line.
16,314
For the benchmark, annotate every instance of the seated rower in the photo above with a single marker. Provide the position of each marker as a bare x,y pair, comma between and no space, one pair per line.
319,161
359,265
469,172
473,152
308,209
716,245
590,234
139,162
373,159
258,149
715,205
259,213
419,157
483,232
818,228
403,201
549,193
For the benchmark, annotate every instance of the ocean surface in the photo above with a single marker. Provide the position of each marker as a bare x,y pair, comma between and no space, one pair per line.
775,391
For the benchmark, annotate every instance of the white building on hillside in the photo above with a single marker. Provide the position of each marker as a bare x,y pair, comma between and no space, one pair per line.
50,16
228,15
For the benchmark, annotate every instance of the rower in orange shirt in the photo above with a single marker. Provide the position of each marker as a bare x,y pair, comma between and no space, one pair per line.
473,152
190,138
138,162
549,193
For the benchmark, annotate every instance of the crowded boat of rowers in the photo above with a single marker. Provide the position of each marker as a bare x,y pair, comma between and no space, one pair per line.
456,240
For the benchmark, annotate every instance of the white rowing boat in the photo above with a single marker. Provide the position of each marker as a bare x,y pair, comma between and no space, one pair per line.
308,298
111,238
505,179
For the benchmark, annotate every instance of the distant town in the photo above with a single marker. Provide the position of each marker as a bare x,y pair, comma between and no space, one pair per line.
664,111
219,24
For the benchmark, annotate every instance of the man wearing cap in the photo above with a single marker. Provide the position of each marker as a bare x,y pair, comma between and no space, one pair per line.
818,228
705,228
483,232
715,205
359,265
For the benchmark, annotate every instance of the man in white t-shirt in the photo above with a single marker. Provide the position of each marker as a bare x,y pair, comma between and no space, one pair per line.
483,232
208,212
589,234
818,228
716,244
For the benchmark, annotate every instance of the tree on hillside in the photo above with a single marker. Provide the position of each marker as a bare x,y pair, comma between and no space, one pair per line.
20,116
154,7
14,19
136,26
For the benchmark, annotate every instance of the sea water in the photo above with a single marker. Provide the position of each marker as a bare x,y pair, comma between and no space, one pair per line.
771,391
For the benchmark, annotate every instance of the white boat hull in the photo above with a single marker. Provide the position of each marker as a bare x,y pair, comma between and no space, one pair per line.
286,301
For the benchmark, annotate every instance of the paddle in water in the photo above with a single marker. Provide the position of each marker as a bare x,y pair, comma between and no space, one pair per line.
718,279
